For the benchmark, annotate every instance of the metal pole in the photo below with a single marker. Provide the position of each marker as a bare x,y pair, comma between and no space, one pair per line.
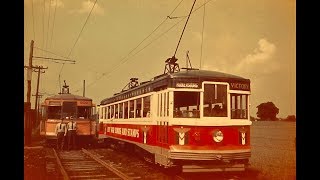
84,87
184,28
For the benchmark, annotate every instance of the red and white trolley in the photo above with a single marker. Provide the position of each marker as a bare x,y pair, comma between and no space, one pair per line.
195,119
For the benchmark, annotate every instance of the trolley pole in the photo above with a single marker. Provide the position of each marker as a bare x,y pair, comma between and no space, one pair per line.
84,87
29,75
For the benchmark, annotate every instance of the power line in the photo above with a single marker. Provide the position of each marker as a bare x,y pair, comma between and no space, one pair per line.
122,62
48,24
82,28
77,39
34,34
44,10
50,52
184,29
152,31
115,68
204,13
155,28
55,59
176,17
146,36
54,17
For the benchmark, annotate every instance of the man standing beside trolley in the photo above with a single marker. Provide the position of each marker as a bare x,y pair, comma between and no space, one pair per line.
61,131
72,132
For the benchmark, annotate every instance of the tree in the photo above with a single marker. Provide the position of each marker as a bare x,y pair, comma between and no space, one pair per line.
291,118
267,111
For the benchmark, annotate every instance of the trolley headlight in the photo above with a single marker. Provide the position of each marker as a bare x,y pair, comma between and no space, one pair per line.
217,136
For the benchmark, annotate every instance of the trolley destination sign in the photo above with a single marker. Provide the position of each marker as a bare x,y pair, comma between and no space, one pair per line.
233,85
187,85
239,86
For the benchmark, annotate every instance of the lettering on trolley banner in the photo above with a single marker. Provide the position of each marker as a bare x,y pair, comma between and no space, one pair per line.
124,131
240,86
54,103
84,103
187,85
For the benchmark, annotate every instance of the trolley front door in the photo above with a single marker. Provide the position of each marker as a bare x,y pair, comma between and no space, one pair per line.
162,142
162,133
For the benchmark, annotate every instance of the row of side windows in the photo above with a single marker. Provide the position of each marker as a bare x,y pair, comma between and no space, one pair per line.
136,108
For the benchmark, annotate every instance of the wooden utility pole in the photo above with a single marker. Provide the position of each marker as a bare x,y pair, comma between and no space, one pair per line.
39,96
29,75
37,109
37,92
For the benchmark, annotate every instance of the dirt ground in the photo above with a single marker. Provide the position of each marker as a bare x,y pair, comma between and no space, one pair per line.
34,160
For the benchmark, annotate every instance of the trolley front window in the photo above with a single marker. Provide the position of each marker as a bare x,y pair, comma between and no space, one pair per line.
215,100
186,104
239,104
84,112
54,112
69,109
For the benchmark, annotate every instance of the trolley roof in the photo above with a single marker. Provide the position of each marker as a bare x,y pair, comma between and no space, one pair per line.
206,74
65,95
170,80
68,97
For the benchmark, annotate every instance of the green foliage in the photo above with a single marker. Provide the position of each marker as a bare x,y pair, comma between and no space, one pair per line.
267,111
291,118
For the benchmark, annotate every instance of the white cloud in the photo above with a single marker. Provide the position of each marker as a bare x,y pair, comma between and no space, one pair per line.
262,59
53,3
59,3
86,7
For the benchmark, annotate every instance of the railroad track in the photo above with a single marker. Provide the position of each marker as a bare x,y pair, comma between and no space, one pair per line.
83,165
109,164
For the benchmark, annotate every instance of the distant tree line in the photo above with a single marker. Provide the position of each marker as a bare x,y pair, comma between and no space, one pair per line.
268,112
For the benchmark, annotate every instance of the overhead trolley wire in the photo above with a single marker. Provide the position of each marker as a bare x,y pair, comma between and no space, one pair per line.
54,17
175,17
204,13
154,29
77,39
48,24
82,29
43,17
151,32
185,25
34,34
50,52
122,62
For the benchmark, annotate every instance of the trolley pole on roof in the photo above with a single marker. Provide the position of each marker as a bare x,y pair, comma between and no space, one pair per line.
84,87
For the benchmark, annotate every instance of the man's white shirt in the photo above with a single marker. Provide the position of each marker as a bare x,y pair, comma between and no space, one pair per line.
61,127
72,125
